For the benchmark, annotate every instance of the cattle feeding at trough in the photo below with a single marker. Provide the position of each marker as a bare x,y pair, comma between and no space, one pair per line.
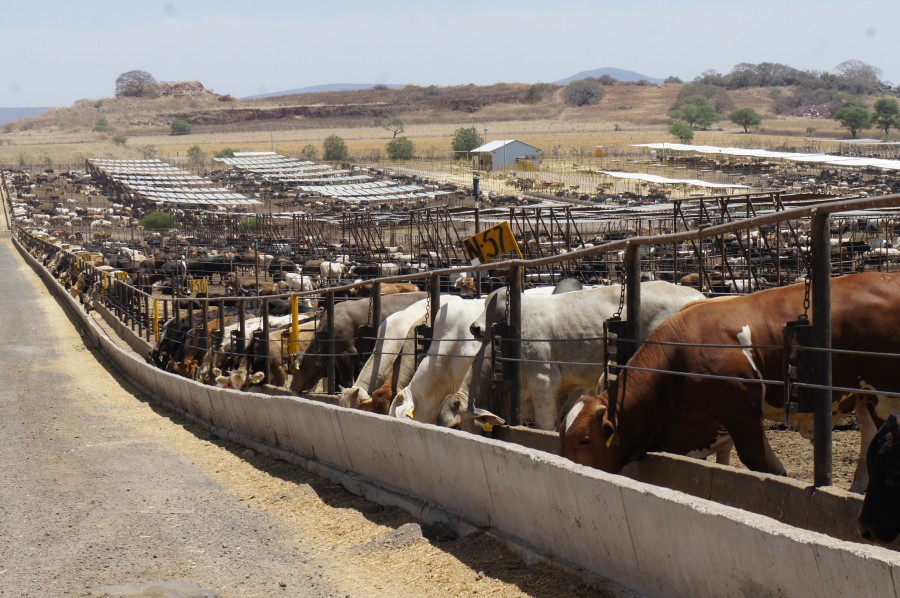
562,345
349,315
680,413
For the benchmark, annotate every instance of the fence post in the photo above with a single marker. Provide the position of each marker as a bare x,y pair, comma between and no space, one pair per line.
376,306
513,350
434,289
331,382
632,302
821,339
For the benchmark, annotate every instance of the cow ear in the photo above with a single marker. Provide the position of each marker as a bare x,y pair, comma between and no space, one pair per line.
487,420
257,377
607,427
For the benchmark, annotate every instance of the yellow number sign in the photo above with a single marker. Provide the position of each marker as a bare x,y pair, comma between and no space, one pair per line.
490,244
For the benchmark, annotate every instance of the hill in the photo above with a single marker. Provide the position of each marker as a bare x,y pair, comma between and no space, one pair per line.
320,88
615,73
8,114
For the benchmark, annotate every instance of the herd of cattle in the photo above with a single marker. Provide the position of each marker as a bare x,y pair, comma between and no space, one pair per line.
727,350
726,353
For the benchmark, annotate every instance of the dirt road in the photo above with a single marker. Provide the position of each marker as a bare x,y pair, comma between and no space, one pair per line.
104,494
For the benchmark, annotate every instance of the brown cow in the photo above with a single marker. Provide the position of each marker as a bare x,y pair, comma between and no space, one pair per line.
681,413
387,288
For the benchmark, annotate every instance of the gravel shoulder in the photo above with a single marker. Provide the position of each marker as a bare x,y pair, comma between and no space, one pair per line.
104,493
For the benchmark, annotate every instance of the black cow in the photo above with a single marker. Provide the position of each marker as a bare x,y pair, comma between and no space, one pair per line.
880,517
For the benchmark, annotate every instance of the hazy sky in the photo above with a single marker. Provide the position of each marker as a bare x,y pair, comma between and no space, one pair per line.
60,50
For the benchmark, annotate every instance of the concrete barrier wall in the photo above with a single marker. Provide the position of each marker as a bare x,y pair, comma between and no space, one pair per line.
653,540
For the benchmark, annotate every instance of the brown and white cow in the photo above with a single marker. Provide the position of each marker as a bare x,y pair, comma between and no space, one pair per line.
676,413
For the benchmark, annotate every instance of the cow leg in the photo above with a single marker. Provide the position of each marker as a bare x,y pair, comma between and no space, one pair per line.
753,447
867,430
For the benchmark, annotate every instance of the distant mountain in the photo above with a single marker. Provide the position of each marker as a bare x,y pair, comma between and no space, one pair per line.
318,88
617,74
7,114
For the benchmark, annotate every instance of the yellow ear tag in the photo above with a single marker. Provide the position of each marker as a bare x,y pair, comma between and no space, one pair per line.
409,414
609,441
488,426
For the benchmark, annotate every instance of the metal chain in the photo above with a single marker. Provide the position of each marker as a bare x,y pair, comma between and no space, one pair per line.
618,314
506,306
806,288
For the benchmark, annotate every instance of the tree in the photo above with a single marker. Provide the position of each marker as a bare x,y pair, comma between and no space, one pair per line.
717,94
159,220
854,119
858,77
181,127
696,110
195,155
225,153
465,139
745,117
136,84
672,80
334,149
309,152
148,151
393,125
536,92
886,112
101,126
401,148
583,92
682,131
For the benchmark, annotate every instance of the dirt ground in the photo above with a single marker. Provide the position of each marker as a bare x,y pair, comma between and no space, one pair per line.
105,494
796,453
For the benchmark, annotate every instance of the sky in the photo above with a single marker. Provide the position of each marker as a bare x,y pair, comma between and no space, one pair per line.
64,51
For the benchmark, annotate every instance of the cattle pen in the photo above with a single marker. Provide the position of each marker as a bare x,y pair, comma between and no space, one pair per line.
597,513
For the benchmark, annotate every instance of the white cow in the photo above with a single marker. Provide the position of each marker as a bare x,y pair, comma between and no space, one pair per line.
452,348
332,271
552,369
393,334
298,282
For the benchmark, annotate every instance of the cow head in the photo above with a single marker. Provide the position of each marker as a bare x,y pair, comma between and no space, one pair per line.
352,397
879,519
455,414
588,436
402,405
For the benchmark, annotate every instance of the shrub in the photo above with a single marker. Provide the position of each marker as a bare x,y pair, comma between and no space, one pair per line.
252,223
181,127
120,139
584,92
309,152
101,126
195,155
225,153
334,149
682,131
159,220
401,148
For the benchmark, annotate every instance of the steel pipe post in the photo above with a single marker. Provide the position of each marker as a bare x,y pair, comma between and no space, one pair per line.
514,346
632,302
821,339
330,369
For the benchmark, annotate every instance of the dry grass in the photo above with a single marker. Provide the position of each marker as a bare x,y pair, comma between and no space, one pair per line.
629,114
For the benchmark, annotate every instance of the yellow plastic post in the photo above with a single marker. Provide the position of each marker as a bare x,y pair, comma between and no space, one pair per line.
294,342
156,319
